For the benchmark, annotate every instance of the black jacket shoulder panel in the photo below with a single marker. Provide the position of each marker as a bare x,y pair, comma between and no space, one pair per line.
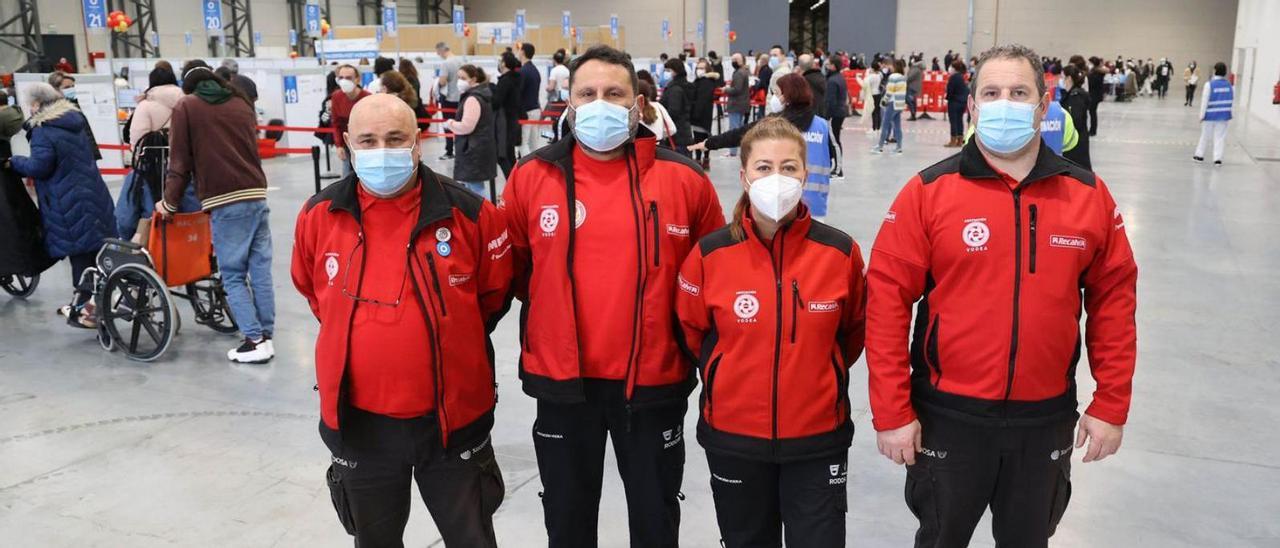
831,237
950,164
668,155
339,194
463,199
1079,173
718,239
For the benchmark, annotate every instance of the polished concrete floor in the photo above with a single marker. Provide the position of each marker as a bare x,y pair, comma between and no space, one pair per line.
194,451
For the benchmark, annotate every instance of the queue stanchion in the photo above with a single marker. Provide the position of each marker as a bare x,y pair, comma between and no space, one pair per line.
315,164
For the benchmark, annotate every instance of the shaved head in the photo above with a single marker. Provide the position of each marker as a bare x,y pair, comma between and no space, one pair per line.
383,121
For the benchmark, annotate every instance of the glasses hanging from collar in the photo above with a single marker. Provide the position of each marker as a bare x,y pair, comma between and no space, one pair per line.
346,275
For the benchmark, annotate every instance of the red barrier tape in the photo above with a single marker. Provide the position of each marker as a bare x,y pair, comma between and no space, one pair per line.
297,128
115,170
292,150
114,147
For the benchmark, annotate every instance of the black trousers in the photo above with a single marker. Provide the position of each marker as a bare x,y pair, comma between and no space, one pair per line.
376,458
758,502
1023,473
955,115
1191,93
80,263
875,115
1093,115
448,141
648,442
837,126
701,155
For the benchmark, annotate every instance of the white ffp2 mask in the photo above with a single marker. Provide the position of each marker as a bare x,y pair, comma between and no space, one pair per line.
774,196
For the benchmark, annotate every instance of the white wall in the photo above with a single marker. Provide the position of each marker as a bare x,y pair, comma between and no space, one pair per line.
1256,28
642,20
1180,30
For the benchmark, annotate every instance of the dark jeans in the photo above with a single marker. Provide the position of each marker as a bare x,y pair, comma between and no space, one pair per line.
1093,115
375,460
1191,93
876,115
837,127
648,442
448,141
757,501
1023,473
80,263
911,103
955,114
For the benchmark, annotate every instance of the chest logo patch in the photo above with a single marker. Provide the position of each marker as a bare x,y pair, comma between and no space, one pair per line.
580,213
1070,242
549,220
823,306
976,234
681,231
331,266
746,306
687,286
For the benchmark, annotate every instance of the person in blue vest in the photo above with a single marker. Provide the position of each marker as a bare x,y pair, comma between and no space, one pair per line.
1215,113
823,156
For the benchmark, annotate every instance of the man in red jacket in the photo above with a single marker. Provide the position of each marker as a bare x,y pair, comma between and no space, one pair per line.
1006,242
408,272
600,223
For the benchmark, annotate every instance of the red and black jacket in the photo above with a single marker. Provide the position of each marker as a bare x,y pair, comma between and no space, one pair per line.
462,294
674,204
1002,270
775,326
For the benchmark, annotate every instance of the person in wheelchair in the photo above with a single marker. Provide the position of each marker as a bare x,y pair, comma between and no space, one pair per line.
75,205
149,135
213,142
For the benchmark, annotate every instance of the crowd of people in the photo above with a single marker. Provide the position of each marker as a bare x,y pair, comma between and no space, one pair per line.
635,288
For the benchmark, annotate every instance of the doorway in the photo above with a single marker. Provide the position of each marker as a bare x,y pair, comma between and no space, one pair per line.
810,20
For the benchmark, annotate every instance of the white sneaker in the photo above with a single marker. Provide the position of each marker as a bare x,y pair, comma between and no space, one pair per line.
252,352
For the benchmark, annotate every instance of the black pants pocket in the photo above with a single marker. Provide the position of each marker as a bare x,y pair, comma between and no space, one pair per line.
922,499
1061,497
493,490
338,493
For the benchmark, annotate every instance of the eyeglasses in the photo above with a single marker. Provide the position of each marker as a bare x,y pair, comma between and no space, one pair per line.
346,274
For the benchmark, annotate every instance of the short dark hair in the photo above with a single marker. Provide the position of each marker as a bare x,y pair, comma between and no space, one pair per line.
958,65
383,64
1013,51
559,56
676,68
1219,69
1075,74
509,60
161,76
836,62
605,54
528,50
346,66
475,73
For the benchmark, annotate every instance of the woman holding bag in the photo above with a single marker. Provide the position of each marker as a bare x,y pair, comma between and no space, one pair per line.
771,308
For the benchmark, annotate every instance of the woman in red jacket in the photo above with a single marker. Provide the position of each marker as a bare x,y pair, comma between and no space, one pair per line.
771,307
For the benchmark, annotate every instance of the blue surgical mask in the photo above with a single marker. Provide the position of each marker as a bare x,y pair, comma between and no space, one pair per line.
383,171
69,94
602,126
774,62
1006,126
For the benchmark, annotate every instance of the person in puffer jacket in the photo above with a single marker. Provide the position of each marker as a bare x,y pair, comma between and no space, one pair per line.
75,205
771,309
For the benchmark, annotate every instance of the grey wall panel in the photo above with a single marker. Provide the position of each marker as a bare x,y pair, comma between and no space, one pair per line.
759,23
863,26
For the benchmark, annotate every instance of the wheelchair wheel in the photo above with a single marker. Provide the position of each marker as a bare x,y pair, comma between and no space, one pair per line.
18,285
210,304
136,312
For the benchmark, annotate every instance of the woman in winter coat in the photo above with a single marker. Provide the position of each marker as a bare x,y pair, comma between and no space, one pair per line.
677,97
75,206
142,186
704,99
1075,100
476,162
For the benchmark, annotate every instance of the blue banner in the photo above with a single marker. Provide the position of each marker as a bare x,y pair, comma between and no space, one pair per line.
313,19
257,38
366,78
565,23
459,20
377,34
155,39
520,24
666,29
212,14
290,89
95,14
390,23
293,38
702,30
186,37
613,26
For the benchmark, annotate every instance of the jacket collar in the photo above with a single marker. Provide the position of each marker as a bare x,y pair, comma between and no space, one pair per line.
973,165
51,112
643,146
797,228
436,202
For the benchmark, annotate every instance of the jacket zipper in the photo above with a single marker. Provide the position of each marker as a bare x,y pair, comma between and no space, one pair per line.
1032,243
653,212
840,390
434,340
796,304
1017,293
435,281
780,238
931,351
637,212
711,383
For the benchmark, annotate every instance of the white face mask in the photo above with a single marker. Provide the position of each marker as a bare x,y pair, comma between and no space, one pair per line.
774,196
700,73
347,86
775,104
667,75
463,85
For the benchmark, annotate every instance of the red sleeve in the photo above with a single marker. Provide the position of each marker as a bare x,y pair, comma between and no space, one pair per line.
895,280
1111,333
708,217
494,270
853,327
513,210
303,263
691,309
